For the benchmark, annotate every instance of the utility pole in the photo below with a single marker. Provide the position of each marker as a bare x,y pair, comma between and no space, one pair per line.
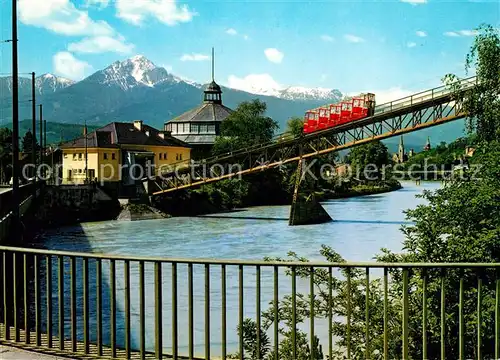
41,134
45,138
15,127
33,126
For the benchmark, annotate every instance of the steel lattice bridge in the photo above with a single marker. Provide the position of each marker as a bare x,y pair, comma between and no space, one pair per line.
418,111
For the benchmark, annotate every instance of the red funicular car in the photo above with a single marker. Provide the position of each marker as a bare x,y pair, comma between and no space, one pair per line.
334,115
311,121
361,105
324,117
345,111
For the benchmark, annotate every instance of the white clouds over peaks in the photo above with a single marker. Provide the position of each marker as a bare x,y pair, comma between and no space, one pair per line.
195,57
166,11
274,55
421,33
255,84
231,31
101,44
353,38
411,44
65,64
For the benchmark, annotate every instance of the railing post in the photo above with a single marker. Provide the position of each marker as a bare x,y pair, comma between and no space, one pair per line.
405,314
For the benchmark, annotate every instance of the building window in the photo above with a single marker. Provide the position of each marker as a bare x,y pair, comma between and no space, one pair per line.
74,156
80,156
65,156
160,154
165,156
180,157
113,156
203,128
105,156
211,128
195,128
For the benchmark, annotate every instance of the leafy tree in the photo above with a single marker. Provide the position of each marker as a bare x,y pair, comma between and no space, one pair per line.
27,142
5,153
295,126
248,125
373,153
482,103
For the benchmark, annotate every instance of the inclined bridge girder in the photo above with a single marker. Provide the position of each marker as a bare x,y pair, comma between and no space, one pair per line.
416,112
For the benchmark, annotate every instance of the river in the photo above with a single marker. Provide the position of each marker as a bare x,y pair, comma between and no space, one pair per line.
361,227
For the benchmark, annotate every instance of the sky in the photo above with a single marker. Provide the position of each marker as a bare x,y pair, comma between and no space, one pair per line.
392,48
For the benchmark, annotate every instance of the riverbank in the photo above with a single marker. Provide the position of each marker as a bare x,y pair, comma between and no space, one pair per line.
363,190
229,195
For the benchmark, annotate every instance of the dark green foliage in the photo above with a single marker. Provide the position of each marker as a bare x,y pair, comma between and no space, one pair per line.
248,125
295,126
374,154
27,142
443,156
5,153
482,103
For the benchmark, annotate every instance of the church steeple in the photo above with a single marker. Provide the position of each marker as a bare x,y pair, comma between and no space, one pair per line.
401,150
213,92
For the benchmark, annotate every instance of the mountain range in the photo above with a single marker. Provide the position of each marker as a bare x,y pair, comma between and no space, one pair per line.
138,89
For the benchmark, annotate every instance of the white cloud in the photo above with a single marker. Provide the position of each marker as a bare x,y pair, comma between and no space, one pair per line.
327,38
414,2
194,57
421,33
461,33
274,55
166,11
468,32
231,31
411,44
65,64
62,17
246,37
388,95
100,4
353,38
255,83
101,44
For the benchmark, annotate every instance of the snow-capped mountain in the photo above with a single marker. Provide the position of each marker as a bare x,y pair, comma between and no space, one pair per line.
44,84
133,72
49,83
303,93
264,85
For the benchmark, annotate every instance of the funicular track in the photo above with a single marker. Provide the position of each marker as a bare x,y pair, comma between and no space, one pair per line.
418,111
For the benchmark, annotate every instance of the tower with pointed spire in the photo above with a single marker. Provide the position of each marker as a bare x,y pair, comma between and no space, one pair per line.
200,126
401,150
427,146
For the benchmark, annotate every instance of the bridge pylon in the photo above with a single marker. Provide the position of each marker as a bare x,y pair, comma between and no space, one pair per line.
305,209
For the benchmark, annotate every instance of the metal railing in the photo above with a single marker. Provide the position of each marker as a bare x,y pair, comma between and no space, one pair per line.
109,306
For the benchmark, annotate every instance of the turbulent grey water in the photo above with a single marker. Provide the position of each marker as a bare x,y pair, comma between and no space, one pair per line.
360,228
